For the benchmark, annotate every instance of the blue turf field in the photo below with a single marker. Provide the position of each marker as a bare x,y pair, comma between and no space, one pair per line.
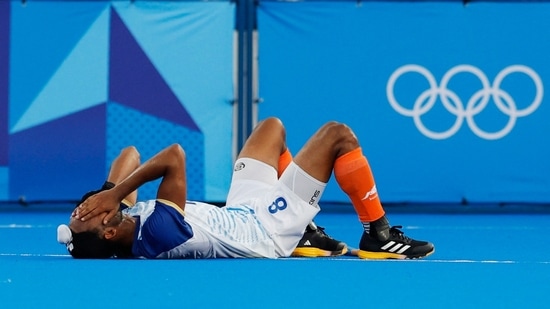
497,260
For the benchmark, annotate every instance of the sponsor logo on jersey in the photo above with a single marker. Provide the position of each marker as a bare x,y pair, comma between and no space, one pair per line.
239,166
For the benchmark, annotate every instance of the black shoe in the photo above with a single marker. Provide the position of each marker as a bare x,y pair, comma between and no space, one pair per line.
397,246
316,243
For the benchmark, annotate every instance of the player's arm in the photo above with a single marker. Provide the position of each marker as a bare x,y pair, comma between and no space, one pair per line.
122,166
169,164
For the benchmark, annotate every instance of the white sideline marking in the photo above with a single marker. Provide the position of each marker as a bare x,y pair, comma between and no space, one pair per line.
32,255
25,226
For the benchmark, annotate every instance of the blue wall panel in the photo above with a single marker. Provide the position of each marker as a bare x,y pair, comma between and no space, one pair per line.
4,85
61,159
447,99
87,78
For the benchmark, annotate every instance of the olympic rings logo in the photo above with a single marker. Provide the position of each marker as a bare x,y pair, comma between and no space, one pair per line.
475,105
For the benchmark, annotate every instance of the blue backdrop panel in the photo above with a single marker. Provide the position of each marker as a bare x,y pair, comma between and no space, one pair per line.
47,160
4,74
133,127
191,46
448,100
89,78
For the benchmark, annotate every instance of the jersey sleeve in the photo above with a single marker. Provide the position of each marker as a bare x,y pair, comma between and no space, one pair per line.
162,231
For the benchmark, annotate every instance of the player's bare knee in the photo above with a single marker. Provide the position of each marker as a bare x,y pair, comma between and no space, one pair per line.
273,123
275,127
339,134
131,151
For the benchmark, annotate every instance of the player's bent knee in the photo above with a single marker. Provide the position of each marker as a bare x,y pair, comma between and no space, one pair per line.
274,126
338,133
272,123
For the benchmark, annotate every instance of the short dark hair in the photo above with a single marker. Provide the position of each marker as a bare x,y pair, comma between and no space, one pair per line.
88,245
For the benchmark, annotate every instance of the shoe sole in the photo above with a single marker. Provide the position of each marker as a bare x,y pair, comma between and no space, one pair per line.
316,252
369,255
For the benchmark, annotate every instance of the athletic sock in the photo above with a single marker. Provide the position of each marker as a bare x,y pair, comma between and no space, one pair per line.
380,229
353,174
366,227
284,160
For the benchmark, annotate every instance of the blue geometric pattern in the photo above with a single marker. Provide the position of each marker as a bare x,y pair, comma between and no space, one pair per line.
149,134
60,56
134,81
68,152
97,92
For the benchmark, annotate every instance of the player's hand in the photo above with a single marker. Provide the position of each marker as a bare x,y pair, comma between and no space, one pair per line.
96,204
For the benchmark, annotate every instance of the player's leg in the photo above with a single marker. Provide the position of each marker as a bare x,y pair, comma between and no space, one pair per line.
266,143
257,162
315,242
335,147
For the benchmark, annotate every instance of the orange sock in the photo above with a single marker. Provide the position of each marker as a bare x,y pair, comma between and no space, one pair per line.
353,174
284,160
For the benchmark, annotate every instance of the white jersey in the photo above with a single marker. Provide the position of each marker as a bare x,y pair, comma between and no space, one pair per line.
265,217
214,232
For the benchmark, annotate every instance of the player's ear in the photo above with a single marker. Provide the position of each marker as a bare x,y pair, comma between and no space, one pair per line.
109,232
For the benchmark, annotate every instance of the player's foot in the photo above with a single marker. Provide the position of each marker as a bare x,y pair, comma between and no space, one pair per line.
316,243
396,246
